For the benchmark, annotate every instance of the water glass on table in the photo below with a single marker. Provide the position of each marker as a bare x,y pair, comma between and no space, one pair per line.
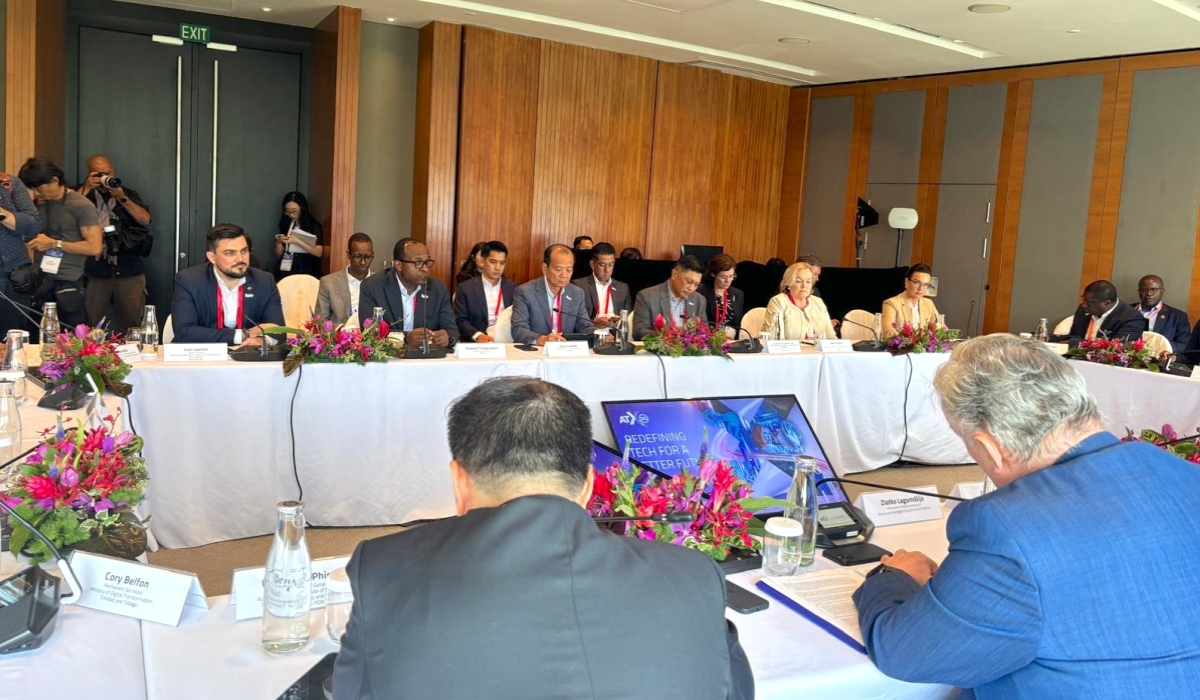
782,546
338,601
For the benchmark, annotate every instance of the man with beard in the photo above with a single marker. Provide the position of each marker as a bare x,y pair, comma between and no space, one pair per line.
225,301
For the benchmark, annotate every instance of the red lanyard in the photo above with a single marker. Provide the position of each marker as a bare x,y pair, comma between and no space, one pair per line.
608,299
558,316
241,291
723,308
499,301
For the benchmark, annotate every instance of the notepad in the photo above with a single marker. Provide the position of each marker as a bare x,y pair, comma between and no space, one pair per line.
302,235
823,596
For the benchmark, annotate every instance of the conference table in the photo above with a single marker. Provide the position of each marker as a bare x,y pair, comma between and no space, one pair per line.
210,655
366,445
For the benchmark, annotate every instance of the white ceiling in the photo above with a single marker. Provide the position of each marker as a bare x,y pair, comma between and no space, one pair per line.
746,33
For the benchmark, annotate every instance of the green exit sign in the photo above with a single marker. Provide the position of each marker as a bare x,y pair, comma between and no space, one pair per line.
195,32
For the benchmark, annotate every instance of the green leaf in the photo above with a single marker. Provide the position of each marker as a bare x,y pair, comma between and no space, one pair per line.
758,503
282,330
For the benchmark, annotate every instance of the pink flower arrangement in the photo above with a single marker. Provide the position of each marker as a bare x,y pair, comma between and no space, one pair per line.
320,340
1114,351
690,339
1188,448
97,352
920,339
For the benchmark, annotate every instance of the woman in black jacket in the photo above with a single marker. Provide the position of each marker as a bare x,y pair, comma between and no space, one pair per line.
296,217
724,301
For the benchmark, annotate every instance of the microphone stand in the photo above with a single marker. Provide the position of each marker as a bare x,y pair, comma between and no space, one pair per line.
426,350
675,516
620,347
265,352
867,345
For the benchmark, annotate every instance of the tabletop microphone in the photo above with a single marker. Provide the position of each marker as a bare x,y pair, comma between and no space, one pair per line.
425,350
674,516
885,487
265,352
866,345
620,347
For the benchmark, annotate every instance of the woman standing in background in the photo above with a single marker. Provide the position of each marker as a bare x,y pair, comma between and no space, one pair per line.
297,219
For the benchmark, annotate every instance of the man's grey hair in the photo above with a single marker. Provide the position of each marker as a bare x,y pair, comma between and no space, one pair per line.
1014,388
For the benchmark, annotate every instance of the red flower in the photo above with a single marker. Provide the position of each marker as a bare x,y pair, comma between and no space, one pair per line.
659,322
602,488
42,487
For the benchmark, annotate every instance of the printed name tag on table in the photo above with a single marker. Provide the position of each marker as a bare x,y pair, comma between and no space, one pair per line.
248,586
575,348
129,353
895,507
783,347
834,345
134,589
480,351
195,352
966,489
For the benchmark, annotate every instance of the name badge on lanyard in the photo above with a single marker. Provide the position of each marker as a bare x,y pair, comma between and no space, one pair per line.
51,261
285,265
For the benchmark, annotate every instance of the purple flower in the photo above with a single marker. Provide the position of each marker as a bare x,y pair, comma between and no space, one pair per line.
70,478
11,502
81,501
108,445
45,503
103,504
1169,433
81,331
53,472
123,439
329,326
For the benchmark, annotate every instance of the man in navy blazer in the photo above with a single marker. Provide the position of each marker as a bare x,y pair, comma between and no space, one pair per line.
225,301
403,293
1167,321
480,300
1074,579
1101,314
534,319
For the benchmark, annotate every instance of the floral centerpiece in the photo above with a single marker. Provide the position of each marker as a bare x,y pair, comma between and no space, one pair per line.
918,339
721,504
1188,448
96,351
79,487
692,339
320,340
1114,351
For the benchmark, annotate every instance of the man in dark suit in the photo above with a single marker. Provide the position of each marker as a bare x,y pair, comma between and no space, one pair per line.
225,301
1102,315
522,596
674,300
412,301
604,297
534,319
480,299
1167,321
1032,602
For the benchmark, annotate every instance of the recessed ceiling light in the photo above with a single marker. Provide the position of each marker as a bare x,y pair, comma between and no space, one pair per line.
1074,31
794,41
958,41
989,8
391,19
266,9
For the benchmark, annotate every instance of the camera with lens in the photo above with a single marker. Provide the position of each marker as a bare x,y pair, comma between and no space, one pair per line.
108,181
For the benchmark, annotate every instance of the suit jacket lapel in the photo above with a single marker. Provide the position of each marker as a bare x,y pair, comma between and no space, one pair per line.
543,305
391,290
343,291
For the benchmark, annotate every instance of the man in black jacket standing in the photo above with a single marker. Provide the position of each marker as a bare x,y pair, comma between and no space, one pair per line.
19,222
522,596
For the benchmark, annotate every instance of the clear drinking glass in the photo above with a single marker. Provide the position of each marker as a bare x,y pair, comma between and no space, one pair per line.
10,422
287,584
338,601
782,547
13,367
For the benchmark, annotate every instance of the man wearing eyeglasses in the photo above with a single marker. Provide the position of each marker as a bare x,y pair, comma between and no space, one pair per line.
412,301
339,293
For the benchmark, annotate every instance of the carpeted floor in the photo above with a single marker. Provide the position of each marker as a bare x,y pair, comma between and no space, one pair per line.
214,563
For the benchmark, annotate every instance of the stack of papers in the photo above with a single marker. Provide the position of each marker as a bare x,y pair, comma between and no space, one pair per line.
823,596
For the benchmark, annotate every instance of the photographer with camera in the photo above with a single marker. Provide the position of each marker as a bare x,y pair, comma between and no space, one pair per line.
116,276
19,221
72,232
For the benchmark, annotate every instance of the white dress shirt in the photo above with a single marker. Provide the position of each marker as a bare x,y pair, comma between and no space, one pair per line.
554,299
491,296
229,305
915,306
602,292
1151,315
355,286
408,299
1098,321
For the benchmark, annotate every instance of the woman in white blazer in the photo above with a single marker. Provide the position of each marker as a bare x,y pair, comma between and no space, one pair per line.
804,316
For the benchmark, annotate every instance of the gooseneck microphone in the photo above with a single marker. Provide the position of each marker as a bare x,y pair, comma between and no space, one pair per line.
265,352
674,516
620,347
867,345
887,488
425,350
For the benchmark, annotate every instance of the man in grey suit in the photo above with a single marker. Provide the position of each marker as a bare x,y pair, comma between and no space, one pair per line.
604,297
521,596
338,295
674,300
534,319
413,301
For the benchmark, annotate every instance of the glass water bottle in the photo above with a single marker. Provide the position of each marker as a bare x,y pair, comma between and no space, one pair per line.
10,422
49,328
148,346
878,328
803,509
13,367
1041,333
287,584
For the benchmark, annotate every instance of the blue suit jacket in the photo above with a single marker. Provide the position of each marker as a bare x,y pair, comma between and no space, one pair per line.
194,305
1172,323
531,312
383,290
471,308
1075,581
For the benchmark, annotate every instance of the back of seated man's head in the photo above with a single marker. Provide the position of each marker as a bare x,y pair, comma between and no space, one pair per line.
519,436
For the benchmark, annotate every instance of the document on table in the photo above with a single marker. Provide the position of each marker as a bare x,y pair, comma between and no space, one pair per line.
824,597
302,235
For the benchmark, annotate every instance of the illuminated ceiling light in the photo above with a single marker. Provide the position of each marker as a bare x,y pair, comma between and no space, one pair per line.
391,19
794,41
1074,31
266,9
989,8
1180,8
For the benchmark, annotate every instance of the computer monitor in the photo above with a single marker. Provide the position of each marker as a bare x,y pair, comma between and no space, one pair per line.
703,252
759,436
604,457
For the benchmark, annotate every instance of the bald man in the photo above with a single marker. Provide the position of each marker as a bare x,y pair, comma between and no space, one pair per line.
1167,321
116,277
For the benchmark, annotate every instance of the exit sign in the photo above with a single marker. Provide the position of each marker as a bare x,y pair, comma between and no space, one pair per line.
195,32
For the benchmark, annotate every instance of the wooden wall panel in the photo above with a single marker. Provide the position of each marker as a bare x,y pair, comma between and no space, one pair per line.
592,156
496,144
718,161
435,161
1017,107
1110,141
333,140
35,92
791,187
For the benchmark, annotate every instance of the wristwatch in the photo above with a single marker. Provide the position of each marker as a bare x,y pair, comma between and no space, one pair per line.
58,244
879,570
123,200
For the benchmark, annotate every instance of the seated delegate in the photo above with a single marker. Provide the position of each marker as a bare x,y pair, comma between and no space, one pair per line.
804,316
225,301
910,306
723,302
412,301
534,317
1074,578
675,300
1167,321
1102,315
481,299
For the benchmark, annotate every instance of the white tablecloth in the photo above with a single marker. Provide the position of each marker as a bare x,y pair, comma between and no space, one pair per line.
1137,399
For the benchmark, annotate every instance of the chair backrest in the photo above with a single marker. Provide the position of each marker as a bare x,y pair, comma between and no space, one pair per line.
851,331
1157,343
752,321
502,331
168,332
299,296
1064,326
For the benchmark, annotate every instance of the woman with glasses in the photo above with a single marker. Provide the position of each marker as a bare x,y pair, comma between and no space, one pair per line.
299,244
725,302
910,306
804,316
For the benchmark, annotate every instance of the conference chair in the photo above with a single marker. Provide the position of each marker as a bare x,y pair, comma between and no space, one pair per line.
168,333
299,296
1157,343
752,321
1064,326
851,331
502,331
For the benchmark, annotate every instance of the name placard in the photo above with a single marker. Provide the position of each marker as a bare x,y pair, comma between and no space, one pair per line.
248,586
195,352
1196,372
895,508
129,353
835,345
134,589
966,489
1058,348
480,351
783,347
576,348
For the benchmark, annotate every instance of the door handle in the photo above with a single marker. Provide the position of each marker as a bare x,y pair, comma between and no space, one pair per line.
985,248
178,152
216,121
988,219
